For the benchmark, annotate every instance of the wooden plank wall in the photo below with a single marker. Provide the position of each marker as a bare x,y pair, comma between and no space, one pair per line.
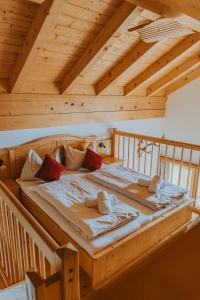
21,111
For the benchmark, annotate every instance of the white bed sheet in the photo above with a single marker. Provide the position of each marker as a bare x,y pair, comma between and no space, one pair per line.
101,242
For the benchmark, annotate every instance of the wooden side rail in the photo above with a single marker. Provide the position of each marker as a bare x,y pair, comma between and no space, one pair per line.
174,161
26,247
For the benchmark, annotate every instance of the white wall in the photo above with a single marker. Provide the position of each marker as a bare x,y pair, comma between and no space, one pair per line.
148,126
182,121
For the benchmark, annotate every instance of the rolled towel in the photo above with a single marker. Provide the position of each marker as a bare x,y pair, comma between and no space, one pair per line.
104,203
144,182
155,185
91,203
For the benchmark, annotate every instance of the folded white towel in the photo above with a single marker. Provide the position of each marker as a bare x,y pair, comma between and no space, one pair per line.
144,182
91,203
156,184
104,203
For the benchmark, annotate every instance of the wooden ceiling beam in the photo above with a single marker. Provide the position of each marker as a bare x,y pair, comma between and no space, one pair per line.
125,14
41,27
173,75
182,81
171,8
156,7
161,63
126,62
188,7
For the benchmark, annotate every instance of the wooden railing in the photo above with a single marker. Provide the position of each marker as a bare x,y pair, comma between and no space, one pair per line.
174,161
26,248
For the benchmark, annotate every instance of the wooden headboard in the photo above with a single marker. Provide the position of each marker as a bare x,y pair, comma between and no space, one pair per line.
14,157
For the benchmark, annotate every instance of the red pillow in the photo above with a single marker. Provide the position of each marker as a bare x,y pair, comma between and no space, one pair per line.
93,161
50,169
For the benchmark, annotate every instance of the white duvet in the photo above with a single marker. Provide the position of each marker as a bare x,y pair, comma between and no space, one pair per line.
125,181
68,197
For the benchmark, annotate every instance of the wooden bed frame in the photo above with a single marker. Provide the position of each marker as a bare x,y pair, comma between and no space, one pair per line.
113,261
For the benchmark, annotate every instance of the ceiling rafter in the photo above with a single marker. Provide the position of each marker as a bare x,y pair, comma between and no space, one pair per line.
171,7
122,66
42,25
124,16
173,75
183,80
161,63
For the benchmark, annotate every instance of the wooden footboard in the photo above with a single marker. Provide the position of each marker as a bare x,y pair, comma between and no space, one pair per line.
132,250
116,259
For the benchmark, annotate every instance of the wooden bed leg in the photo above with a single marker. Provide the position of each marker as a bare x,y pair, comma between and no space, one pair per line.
70,272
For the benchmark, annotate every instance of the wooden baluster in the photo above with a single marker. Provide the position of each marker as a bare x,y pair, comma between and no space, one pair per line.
172,169
197,181
151,163
165,165
2,262
37,259
190,162
123,150
139,154
158,160
15,248
145,158
48,271
181,166
18,237
12,247
32,254
5,238
133,163
42,265
118,152
128,160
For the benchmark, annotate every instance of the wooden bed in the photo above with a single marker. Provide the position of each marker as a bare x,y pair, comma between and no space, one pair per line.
115,260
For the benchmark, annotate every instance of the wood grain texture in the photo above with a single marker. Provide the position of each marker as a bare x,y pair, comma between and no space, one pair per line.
40,29
125,11
162,62
29,111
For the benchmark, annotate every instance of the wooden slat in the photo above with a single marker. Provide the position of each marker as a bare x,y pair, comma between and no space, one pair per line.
126,62
32,111
124,14
39,32
169,57
180,70
184,80
41,121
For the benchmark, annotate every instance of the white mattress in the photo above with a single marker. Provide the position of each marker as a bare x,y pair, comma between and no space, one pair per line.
101,242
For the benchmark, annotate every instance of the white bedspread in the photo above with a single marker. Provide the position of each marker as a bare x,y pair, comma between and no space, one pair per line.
68,197
125,181
102,241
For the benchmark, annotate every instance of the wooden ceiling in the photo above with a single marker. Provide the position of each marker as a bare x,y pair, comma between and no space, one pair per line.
83,47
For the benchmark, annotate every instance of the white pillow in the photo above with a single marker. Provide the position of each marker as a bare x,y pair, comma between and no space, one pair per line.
74,158
56,155
31,166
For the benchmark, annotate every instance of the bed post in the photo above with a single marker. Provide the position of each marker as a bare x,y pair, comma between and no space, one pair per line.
113,143
70,272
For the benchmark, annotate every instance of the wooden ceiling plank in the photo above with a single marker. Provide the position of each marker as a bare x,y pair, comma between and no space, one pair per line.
180,70
133,55
125,14
161,63
42,25
184,80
